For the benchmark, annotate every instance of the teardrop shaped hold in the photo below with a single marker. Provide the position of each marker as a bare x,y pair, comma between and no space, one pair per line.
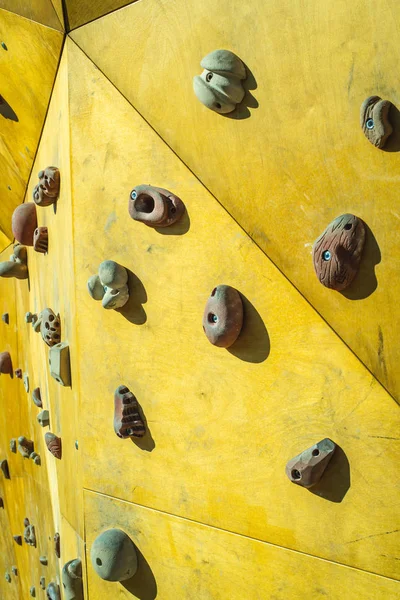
37,398
223,316
47,190
113,556
5,363
307,468
127,420
374,120
220,86
24,223
155,206
338,250
53,444
4,468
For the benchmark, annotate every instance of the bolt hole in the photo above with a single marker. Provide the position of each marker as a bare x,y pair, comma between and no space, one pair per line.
315,452
209,76
370,124
144,204
212,318
347,226
47,325
296,474
98,562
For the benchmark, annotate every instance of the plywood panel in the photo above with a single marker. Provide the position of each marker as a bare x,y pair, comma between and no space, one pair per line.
293,156
223,423
41,11
59,10
180,559
81,11
27,72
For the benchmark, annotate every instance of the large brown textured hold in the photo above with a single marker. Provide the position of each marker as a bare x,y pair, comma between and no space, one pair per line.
337,252
41,240
50,327
127,420
47,190
24,223
5,363
374,119
307,468
223,316
155,206
53,443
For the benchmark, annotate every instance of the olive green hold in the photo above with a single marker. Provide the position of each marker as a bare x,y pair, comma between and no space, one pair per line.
113,556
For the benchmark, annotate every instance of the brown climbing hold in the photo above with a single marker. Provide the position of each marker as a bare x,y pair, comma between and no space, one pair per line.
50,327
5,469
155,206
127,420
36,397
307,468
47,190
25,446
18,539
5,363
337,252
53,443
18,373
5,318
374,119
17,265
24,223
57,543
223,316
41,240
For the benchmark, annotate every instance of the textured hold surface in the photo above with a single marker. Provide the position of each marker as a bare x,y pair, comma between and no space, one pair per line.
307,468
113,555
17,265
24,223
4,468
127,420
337,252
43,418
53,591
5,363
72,580
155,206
30,535
36,397
41,240
53,444
220,87
25,446
374,119
223,316
57,543
47,190
50,327
110,285
59,362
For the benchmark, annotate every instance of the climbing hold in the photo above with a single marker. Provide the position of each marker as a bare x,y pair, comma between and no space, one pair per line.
47,190
220,86
36,458
18,539
155,206
110,285
30,317
57,543
13,444
374,119
32,591
337,252
5,318
8,577
4,468
127,420
43,560
223,316
59,362
42,582
25,446
307,468
5,363
1,503
53,591
18,373
24,223
43,418
72,580
14,571
41,240
36,397
49,325
53,444
26,382
17,265
113,556
29,534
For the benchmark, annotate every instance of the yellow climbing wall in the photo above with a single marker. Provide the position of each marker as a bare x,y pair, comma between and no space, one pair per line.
204,496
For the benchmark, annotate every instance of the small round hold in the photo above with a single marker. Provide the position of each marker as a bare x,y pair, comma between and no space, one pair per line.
370,124
76,444
43,560
8,577
18,373
113,556
14,571
43,582
5,318
32,591
223,316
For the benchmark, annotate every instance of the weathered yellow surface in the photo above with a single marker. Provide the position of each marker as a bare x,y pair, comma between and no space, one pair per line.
223,423
41,11
27,72
59,10
81,11
180,559
295,157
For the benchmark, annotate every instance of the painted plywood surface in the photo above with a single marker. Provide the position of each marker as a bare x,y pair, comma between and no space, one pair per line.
80,12
27,71
41,11
293,156
223,423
